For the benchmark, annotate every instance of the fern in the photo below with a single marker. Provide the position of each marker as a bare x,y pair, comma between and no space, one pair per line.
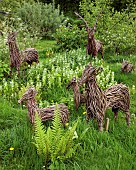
55,144
70,148
57,133
42,141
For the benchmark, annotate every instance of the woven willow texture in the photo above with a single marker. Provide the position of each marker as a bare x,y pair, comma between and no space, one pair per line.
78,97
116,97
30,55
44,113
126,67
96,100
15,56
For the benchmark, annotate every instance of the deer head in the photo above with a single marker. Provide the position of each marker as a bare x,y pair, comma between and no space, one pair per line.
11,37
90,30
72,83
29,94
89,74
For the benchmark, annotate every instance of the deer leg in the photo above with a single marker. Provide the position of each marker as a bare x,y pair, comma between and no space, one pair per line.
115,110
18,70
128,118
100,124
11,67
89,116
102,53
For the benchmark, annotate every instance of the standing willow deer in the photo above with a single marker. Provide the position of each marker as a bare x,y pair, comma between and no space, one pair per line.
93,46
116,97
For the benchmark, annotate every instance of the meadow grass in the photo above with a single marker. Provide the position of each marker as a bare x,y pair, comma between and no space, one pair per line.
112,150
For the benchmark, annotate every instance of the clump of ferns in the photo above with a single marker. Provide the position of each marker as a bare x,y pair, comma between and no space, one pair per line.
55,143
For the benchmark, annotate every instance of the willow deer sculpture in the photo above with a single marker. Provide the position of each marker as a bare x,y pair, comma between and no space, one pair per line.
30,55
78,97
127,67
96,100
116,97
44,113
93,46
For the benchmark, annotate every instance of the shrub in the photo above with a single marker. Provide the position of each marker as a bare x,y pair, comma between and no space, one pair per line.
70,37
41,18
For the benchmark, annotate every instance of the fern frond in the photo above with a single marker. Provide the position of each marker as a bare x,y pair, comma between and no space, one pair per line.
41,139
56,127
55,143
66,147
69,140
56,121
57,133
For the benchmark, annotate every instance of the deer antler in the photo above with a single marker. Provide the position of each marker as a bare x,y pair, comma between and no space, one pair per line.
98,17
96,22
82,19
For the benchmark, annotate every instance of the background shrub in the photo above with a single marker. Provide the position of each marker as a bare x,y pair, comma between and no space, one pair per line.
70,37
41,18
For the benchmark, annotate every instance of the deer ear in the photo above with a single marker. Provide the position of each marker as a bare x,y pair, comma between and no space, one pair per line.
99,70
16,33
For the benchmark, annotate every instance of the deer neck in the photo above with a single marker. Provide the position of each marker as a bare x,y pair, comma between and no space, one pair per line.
96,100
14,53
32,109
93,88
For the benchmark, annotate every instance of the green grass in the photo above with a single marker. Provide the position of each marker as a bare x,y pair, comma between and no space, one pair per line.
45,44
113,150
45,47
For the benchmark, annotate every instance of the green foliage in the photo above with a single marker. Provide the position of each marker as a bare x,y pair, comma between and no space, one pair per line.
124,4
4,70
115,29
70,37
55,72
54,144
43,19
11,6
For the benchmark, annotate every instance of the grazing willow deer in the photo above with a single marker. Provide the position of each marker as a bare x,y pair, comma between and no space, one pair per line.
93,46
116,97
44,113
127,67
78,97
30,55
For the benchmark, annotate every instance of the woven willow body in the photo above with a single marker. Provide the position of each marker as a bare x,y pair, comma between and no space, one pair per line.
118,98
30,55
78,97
94,46
44,113
126,67
96,100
